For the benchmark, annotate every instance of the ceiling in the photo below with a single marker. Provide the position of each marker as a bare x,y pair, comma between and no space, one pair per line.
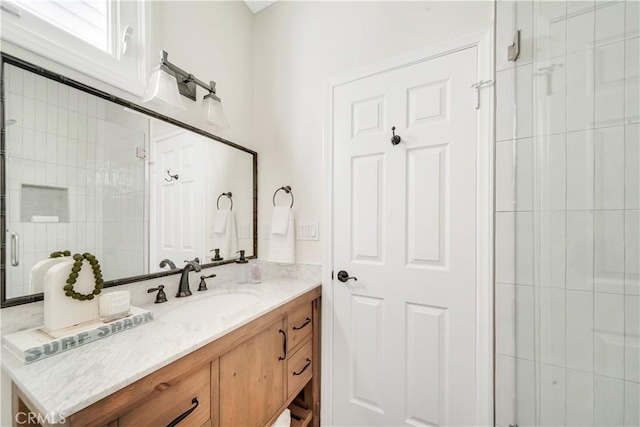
257,5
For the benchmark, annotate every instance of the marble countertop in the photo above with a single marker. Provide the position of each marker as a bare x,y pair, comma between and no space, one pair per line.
69,382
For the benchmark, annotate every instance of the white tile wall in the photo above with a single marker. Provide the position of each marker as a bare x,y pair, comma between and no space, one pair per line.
631,399
632,252
609,84
631,341
632,167
609,168
580,251
609,401
552,270
580,90
579,399
552,395
552,332
609,335
610,23
580,330
580,170
551,172
568,214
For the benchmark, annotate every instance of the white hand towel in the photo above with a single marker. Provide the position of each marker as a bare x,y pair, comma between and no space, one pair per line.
227,241
280,220
284,420
221,221
282,247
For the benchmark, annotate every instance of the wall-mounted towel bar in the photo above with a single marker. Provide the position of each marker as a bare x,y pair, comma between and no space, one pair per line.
286,189
229,195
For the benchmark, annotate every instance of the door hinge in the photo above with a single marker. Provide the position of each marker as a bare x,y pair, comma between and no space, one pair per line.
479,85
513,51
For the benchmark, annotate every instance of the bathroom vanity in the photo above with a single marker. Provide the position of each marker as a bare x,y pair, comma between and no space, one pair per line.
191,366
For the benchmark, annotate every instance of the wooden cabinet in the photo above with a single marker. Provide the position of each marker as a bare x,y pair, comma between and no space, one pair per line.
251,386
245,378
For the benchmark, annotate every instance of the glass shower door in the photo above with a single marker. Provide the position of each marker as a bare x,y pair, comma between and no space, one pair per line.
567,214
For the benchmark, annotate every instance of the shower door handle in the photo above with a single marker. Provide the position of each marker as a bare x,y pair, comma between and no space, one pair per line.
15,249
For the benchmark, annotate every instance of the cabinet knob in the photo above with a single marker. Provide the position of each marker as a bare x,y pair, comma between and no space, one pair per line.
162,386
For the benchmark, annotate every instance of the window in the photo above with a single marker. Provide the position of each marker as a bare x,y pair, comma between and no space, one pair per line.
102,38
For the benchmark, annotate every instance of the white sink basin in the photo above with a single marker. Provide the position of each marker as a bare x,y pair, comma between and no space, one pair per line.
211,307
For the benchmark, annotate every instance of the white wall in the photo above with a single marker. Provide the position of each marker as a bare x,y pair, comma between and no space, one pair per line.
296,46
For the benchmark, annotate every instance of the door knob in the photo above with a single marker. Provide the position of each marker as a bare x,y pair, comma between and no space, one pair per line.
343,276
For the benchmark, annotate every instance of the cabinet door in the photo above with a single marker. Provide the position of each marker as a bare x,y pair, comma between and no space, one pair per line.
252,379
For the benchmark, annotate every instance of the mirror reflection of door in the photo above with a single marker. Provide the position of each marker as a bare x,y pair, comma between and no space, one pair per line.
178,215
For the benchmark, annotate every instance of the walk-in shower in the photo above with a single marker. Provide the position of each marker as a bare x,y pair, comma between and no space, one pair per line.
567,214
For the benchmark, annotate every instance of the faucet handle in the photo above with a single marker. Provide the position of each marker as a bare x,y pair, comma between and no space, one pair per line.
203,284
161,296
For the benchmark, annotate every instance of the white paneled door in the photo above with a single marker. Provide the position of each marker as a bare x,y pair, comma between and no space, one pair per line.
404,217
179,202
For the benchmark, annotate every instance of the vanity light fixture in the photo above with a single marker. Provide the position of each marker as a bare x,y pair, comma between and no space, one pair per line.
167,82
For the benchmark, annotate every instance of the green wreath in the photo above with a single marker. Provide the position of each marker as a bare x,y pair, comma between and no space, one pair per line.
75,270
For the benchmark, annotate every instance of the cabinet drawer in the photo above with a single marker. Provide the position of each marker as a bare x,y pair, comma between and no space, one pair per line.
175,398
299,368
300,325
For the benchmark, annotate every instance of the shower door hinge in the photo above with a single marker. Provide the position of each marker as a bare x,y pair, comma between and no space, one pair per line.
479,85
513,51
141,153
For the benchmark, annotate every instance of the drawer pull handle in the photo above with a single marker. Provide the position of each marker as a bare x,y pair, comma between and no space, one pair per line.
303,369
284,345
306,322
186,414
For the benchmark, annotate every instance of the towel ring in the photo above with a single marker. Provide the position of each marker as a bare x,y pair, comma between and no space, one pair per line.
230,199
286,189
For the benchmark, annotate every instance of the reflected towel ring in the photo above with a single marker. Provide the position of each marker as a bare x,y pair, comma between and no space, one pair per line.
286,189
230,199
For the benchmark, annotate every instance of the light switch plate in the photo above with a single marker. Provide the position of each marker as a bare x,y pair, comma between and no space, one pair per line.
307,230
266,230
244,231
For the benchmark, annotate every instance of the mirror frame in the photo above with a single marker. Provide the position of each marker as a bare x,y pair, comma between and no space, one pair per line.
17,62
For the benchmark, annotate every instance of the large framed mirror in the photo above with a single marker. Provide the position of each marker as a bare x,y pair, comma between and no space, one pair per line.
85,171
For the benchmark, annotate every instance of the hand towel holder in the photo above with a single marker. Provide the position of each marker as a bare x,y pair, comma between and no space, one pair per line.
229,195
286,189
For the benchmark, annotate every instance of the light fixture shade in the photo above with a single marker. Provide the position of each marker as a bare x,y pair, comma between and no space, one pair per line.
213,113
163,87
